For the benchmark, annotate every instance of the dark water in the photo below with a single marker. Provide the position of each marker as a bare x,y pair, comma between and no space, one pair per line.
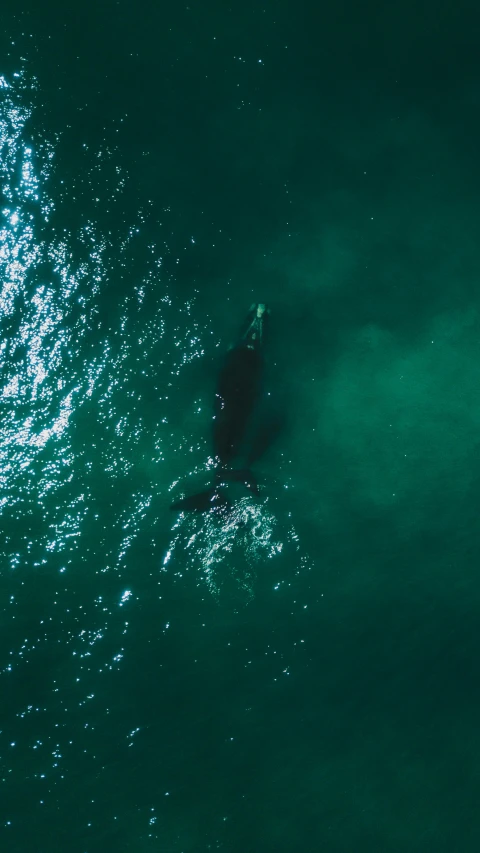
301,675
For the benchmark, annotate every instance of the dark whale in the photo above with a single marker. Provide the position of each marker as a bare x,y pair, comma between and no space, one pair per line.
236,398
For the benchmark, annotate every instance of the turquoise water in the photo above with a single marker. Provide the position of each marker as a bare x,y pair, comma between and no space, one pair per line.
300,675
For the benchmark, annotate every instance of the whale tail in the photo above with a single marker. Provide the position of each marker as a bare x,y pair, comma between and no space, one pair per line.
201,501
216,496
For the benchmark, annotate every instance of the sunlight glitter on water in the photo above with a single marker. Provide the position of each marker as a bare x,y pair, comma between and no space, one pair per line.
33,337
48,301
246,530
39,387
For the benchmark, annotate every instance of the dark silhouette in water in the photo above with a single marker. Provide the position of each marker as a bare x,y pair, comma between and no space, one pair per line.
236,398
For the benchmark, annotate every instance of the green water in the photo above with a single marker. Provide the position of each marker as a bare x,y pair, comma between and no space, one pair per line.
301,675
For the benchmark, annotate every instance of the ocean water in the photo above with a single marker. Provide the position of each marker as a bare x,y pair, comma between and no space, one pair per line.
301,673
